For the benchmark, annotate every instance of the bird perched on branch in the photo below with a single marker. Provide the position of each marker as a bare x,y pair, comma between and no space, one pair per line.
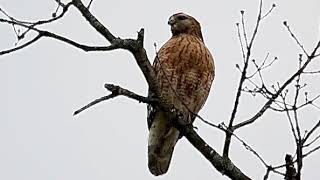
184,69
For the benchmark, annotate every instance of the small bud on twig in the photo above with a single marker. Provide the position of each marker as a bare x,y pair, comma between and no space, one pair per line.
285,23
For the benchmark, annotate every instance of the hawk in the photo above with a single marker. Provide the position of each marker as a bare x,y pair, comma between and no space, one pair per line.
184,69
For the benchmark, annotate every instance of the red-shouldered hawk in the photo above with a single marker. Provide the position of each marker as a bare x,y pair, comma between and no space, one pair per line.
185,70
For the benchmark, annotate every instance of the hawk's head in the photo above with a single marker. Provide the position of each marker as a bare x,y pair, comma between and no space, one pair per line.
182,23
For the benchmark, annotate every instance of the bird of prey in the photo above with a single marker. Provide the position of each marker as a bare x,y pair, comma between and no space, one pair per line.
185,70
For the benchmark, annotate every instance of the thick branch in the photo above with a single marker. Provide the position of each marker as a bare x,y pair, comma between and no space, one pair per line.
134,46
222,164
124,92
94,22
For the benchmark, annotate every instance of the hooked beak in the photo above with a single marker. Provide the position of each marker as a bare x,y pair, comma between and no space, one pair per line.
171,21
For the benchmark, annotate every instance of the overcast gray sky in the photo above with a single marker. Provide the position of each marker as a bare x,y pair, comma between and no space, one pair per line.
42,85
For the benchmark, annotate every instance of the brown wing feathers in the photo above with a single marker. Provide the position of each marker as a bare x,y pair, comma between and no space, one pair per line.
185,70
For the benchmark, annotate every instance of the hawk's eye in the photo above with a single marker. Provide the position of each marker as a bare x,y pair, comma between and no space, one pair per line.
181,17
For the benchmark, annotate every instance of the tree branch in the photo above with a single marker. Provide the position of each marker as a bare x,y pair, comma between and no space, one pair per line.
279,91
222,164
42,33
21,46
295,38
117,91
134,46
94,22
96,101
311,131
242,78
30,25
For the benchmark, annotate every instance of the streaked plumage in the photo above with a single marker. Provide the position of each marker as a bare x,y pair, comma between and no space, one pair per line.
185,70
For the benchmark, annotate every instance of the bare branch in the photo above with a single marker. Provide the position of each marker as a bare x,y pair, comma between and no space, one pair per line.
313,54
31,25
276,95
272,7
88,7
21,46
117,91
244,29
262,66
311,131
311,151
241,44
266,176
289,118
254,34
42,33
311,72
242,79
295,38
60,3
124,92
94,22
295,112
313,141
224,165
104,98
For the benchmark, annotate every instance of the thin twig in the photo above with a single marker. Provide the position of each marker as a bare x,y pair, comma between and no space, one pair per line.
312,141
89,5
295,38
277,93
311,72
241,44
311,151
272,7
317,125
289,118
21,46
244,29
30,25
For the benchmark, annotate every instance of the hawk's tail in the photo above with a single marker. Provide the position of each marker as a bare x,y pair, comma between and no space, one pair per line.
162,139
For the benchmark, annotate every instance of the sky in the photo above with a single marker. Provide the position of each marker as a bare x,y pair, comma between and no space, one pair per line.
43,84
